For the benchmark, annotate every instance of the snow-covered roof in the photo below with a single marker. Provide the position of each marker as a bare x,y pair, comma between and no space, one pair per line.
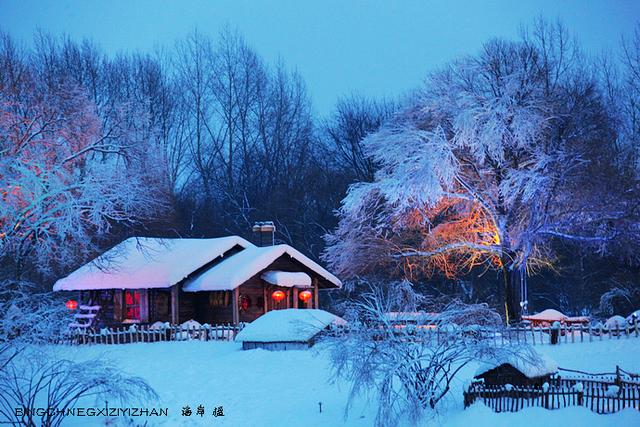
531,367
146,262
549,315
290,325
287,278
237,269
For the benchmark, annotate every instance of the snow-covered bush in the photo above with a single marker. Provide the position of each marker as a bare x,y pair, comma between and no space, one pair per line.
410,366
619,298
33,317
31,377
34,378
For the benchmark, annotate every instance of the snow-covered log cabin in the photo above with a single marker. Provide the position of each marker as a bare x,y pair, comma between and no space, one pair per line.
217,280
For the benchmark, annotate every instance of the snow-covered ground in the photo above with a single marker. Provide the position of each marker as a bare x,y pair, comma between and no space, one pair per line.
262,388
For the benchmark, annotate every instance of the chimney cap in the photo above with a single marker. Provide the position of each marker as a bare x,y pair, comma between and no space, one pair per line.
263,226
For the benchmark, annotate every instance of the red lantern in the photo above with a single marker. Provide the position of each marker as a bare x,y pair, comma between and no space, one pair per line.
305,296
72,304
278,296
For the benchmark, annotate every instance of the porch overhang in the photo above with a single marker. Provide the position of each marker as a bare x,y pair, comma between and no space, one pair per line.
287,279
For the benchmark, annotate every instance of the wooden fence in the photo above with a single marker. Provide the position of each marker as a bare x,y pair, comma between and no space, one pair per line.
533,335
148,333
565,334
596,393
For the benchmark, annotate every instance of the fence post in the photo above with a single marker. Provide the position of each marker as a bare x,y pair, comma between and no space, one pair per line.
626,329
601,332
533,334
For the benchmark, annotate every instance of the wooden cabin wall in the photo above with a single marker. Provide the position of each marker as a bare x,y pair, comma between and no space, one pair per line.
159,305
186,306
220,308
254,289
107,308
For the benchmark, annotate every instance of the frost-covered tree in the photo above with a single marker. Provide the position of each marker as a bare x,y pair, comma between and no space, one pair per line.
497,156
405,366
67,175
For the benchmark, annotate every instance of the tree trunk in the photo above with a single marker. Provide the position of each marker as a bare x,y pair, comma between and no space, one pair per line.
511,306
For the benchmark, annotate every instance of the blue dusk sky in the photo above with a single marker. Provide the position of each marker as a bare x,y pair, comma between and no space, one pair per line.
339,47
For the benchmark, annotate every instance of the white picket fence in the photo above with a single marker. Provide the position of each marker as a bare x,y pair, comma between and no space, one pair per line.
148,333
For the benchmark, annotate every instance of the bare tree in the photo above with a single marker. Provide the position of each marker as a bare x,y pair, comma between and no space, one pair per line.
410,366
354,118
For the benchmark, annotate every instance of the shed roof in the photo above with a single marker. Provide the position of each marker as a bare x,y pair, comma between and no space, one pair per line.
531,367
290,325
549,315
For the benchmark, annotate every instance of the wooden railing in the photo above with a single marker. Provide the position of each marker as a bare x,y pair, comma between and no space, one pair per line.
599,394
565,334
147,333
534,335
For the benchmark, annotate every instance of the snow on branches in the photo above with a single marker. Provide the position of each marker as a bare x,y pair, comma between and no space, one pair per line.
407,358
67,175
497,156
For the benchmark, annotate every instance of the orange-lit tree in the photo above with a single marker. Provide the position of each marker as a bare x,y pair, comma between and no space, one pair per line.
67,176
495,158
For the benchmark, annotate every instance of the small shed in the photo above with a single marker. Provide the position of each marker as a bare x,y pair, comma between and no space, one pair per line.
549,316
517,371
288,329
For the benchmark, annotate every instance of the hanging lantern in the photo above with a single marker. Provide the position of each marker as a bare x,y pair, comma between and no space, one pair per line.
72,304
278,296
305,296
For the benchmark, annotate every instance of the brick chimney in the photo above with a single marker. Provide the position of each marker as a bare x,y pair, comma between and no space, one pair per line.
264,233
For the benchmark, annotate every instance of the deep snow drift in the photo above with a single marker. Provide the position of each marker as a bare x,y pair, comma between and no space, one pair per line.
263,388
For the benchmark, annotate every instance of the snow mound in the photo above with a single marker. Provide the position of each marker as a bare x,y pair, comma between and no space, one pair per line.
612,391
634,315
537,366
615,322
191,324
290,325
160,326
